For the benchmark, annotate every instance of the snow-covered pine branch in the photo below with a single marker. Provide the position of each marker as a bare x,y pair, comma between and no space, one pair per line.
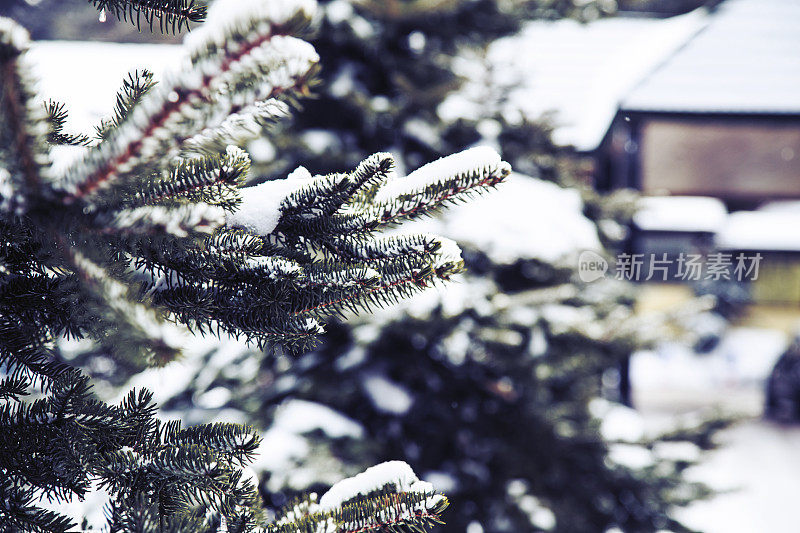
146,224
385,497
266,63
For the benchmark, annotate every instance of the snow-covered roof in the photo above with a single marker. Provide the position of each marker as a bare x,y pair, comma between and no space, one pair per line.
761,231
582,71
746,60
681,213
87,75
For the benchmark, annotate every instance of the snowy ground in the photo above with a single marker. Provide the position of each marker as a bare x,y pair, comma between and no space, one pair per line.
761,462
758,465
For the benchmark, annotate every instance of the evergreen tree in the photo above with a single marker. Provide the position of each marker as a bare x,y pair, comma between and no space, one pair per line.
148,225
504,391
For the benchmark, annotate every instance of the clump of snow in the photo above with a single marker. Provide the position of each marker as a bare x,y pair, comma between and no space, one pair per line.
677,451
681,213
339,11
395,474
453,165
631,455
300,416
443,481
300,173
13,34
214,398
260,209
449,252
320,141
262,150
279,449
617,422
63,156
387,396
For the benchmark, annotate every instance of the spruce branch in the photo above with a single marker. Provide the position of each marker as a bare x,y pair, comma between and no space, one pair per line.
152,225
271,65
134,87
171,15
385,498
23,149
57,116
18,510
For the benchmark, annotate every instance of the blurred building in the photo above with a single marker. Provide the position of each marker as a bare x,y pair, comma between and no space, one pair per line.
700,112
719,116
712,129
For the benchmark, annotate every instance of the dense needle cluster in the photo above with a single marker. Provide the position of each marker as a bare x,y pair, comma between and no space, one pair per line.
171,15
148,225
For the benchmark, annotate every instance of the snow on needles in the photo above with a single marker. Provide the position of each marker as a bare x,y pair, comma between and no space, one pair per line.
260,209
224,14
396,474
441,169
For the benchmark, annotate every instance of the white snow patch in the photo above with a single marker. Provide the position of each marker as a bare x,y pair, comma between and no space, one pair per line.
320,141
744,357
524,218
63,68
278,450
781,206
300,416
630,455
260,209
387,396
262,150
225,14
443,481
300,173
623,424
214,398
63,156
441,169
579,71
91,508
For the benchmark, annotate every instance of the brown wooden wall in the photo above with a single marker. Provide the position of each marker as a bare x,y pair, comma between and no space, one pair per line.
733,159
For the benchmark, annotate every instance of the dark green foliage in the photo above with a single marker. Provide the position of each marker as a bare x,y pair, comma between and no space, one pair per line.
138,233
57,115
501,404
133,88
169,15
783,386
